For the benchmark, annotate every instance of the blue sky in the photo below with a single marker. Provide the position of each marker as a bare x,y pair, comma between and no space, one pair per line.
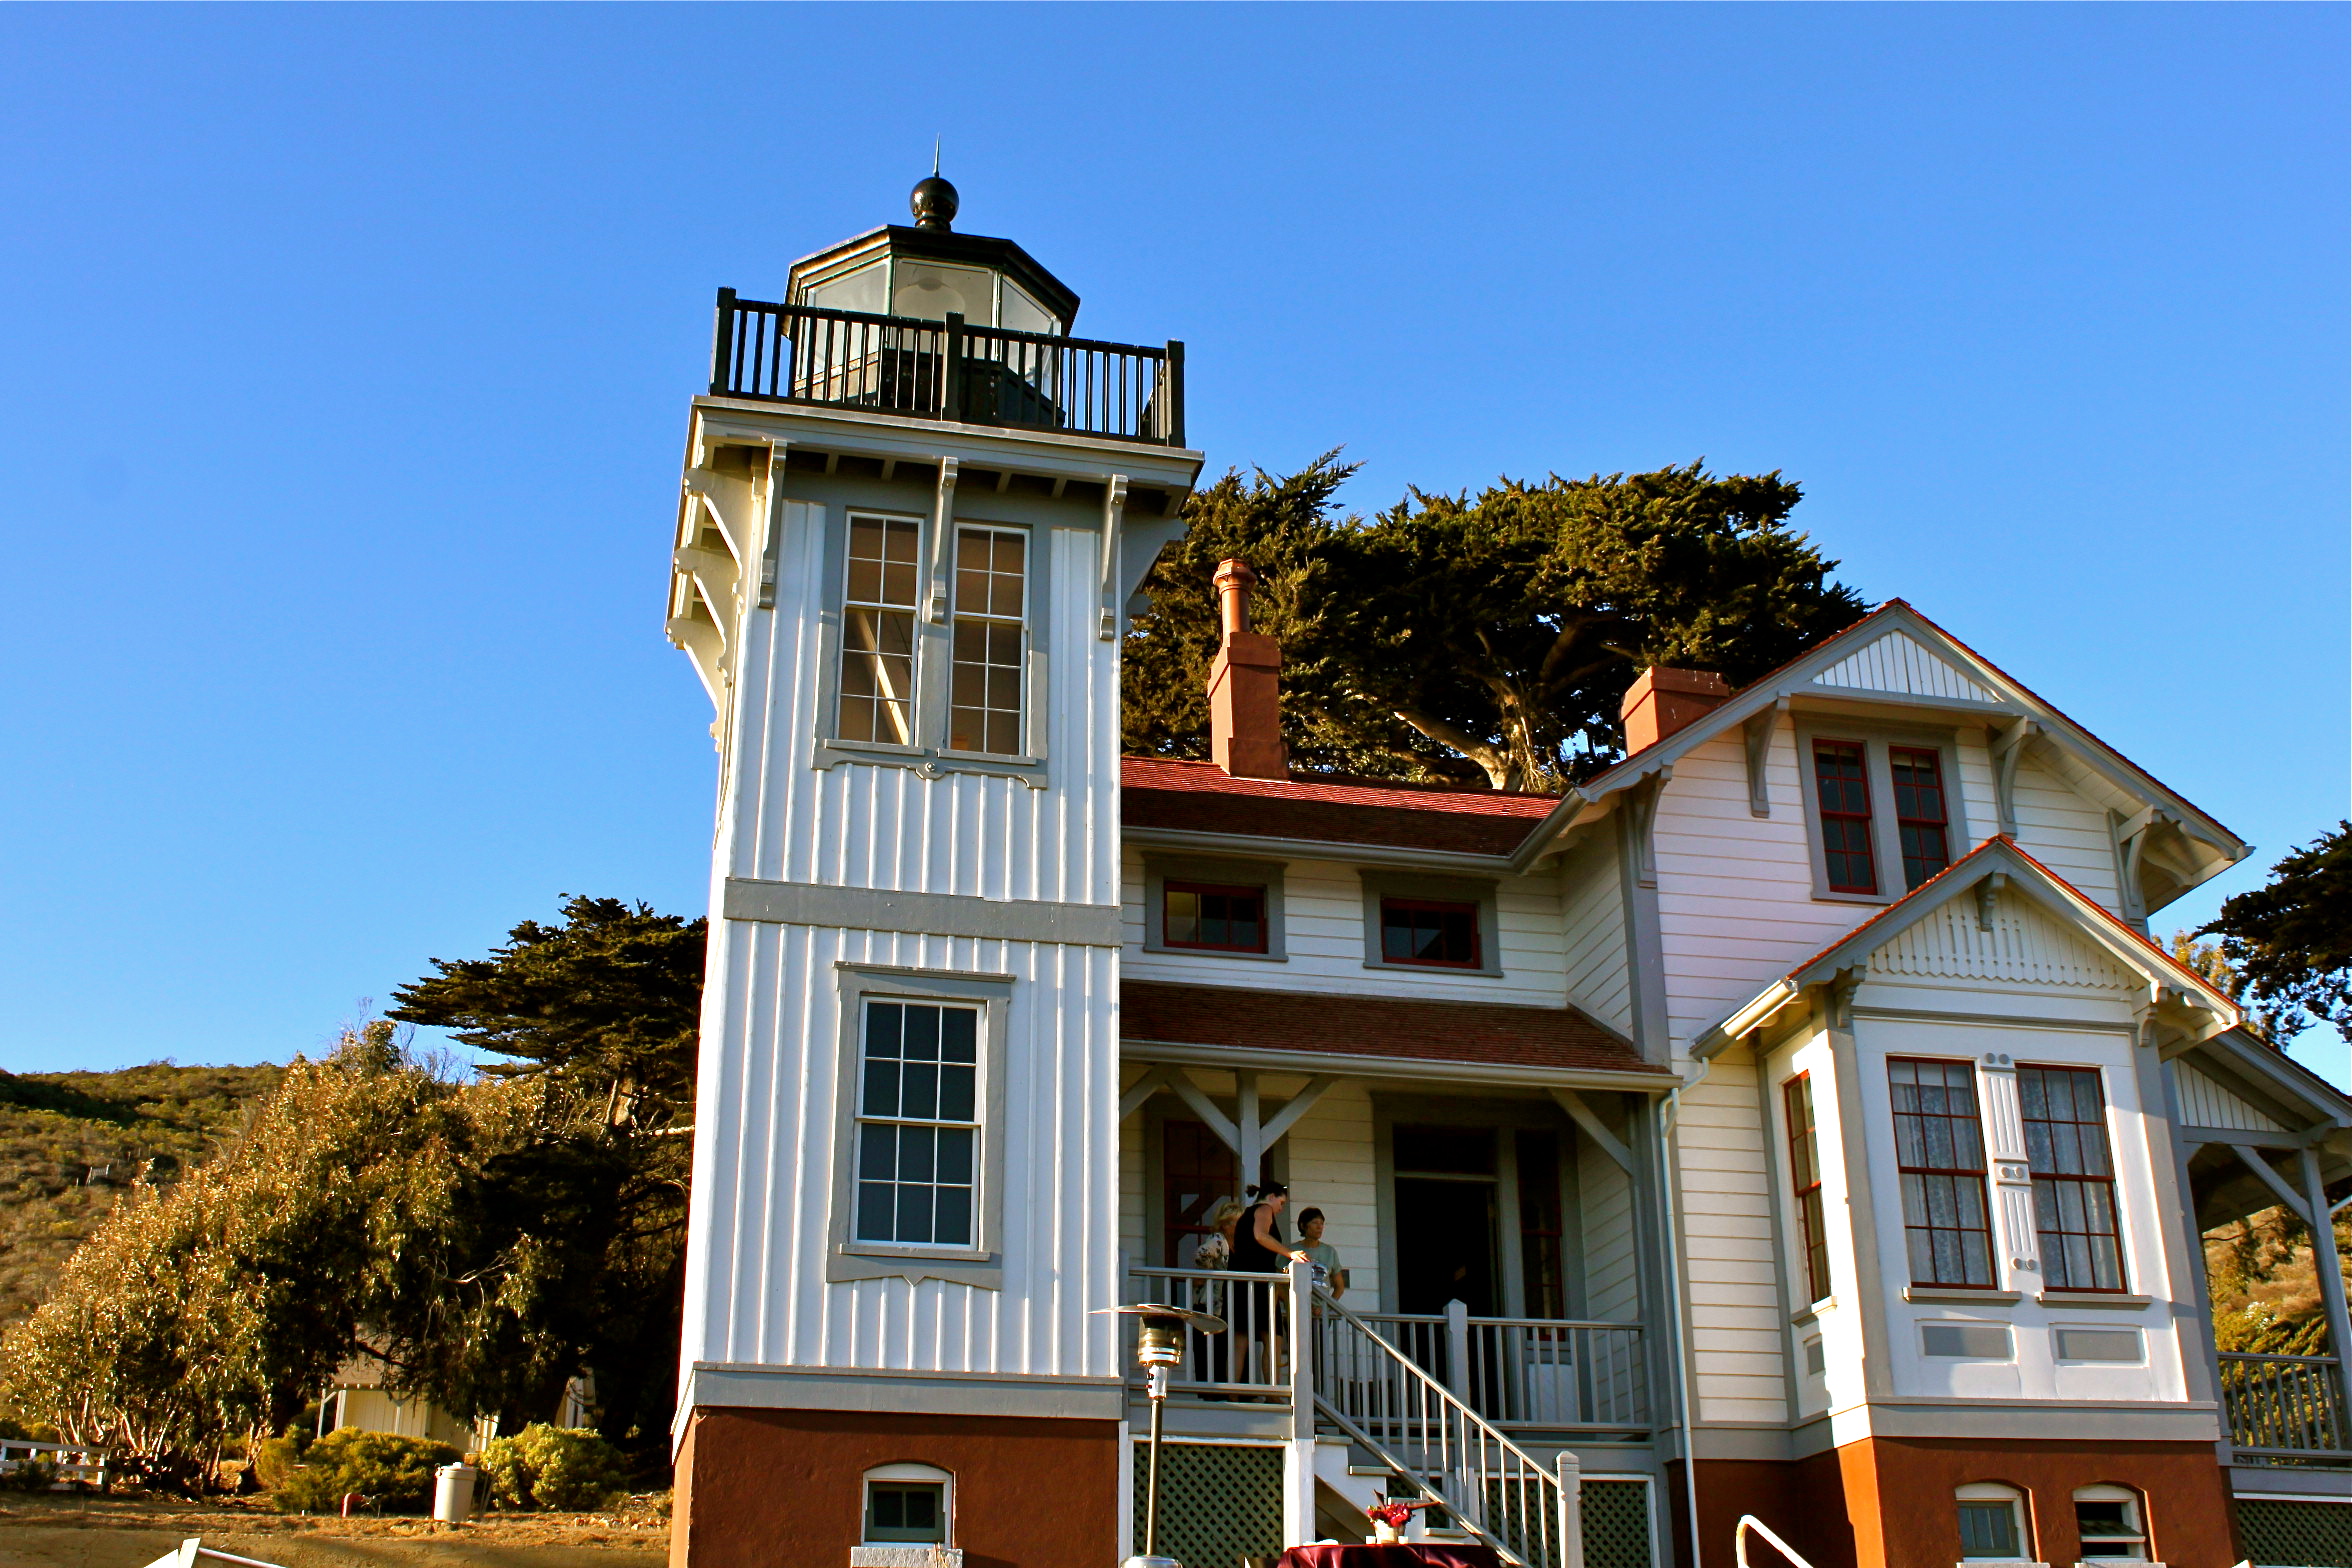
347,352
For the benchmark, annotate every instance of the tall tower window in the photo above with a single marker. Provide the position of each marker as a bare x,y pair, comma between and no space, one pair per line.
2073,1177
1920,816
984,706
1844,792
1939,1149
918,1124
878,630
1805,1177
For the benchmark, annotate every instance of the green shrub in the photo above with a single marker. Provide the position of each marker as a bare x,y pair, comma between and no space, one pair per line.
31,1475
275,1458
394,1473
566,1468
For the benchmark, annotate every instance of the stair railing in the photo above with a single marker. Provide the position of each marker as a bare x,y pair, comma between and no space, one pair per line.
1750,1524
1428,1437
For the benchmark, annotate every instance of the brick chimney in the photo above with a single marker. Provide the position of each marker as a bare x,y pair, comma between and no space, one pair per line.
1245,683
1663,700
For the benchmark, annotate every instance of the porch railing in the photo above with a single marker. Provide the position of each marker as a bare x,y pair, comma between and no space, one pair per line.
2285,1408
1246,1361
1529,1372
947,370
1519,1373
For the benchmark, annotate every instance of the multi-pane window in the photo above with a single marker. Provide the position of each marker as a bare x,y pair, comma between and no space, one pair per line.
1920,816
906,1511
2073,1177
1992,1524
878,630
991,592
918,1123
1842,786
1939,1149
1430,931
1202,914
1805,1177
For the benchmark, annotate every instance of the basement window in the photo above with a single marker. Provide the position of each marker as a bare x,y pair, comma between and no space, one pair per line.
1992,1523
2107,1519
906,1504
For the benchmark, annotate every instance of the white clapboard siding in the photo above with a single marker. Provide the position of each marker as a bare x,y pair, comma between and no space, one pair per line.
2066,832
1592,903
1612,1267
889,827
1895,663
2025,947
1730,1260
2205,1103
1735,891
1323,936
1328,1164
769,1106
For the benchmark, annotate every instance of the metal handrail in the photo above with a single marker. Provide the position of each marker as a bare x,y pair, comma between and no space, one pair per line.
1739,1541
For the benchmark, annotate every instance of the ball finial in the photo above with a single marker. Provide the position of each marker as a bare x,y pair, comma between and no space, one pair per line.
934,204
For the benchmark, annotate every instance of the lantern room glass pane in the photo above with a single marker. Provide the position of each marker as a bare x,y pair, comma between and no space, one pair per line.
859,290
1023,314
930,291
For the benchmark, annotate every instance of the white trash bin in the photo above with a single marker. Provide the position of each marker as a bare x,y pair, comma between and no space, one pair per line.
453,1493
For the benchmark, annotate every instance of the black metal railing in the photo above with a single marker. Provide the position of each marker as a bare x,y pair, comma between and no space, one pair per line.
947,370
2284,1407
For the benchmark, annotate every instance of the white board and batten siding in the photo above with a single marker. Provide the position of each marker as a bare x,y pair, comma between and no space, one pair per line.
2207,1103
765,1187
1894,662
888,827
1323,938
771,1106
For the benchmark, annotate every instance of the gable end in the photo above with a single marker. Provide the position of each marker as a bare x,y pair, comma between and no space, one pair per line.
1897,663
2023,947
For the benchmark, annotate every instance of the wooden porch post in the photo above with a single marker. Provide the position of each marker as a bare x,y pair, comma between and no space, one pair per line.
1298,1466
2328,1264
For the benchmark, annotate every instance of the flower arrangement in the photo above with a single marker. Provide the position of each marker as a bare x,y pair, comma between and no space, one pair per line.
1391,1516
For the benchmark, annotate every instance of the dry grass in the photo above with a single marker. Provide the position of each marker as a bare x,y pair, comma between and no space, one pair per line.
59,1531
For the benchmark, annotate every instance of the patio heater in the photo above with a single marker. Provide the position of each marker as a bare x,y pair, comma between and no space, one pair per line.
1159,1345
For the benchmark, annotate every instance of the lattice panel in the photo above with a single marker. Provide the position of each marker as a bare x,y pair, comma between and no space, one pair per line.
2296,1535
1219,1502
1616,1524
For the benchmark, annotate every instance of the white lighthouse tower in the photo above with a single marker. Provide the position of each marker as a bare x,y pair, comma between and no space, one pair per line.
914,508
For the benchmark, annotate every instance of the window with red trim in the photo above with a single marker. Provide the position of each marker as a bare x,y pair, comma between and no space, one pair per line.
1939,1149
1842,786
1210,915
1805,1177
1920,814
2073,1177
1428,931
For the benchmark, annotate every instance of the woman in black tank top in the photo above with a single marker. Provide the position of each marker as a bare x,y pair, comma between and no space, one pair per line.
1258,1247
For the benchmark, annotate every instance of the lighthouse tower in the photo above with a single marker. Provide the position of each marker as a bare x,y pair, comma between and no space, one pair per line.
913,512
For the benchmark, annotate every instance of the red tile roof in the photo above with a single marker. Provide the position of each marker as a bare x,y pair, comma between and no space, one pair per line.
1197,797
1375,1026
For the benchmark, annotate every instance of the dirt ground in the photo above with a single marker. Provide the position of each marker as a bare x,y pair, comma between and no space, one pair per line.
59,1531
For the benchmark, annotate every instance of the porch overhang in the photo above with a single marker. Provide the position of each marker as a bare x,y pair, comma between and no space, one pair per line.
1314,1064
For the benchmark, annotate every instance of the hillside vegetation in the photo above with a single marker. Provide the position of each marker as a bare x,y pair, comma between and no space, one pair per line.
73,1144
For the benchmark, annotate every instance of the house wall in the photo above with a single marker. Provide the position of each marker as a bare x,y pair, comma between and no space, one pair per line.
889,827
1323,929
771,1096
1730,1262
1592,915
2065,832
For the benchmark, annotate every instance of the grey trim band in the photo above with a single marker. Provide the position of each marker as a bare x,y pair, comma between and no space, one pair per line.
915,1393
935,914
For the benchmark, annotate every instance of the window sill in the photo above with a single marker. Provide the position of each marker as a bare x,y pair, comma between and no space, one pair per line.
928,762
1808,1314
905,1554
1960,1295
1823,895
1216,952
885,1249
1998,1562
2097,1299
1433,969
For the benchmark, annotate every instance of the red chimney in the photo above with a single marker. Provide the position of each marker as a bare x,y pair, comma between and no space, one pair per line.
1245,684
1663,700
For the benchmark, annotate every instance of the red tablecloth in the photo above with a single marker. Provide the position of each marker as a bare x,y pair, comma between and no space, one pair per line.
1425,1554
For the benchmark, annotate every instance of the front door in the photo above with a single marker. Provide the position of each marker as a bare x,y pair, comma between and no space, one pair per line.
1445,1219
